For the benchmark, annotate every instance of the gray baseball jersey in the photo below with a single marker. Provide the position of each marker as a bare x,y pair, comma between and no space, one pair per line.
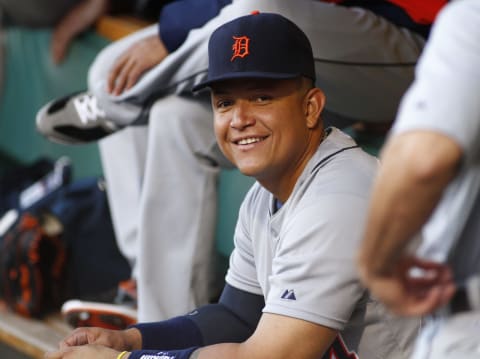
301,258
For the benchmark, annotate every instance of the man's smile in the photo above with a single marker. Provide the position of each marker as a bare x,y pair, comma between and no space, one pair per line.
249,140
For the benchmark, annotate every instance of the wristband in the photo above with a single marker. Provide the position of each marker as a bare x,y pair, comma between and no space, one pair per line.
169,354
122,354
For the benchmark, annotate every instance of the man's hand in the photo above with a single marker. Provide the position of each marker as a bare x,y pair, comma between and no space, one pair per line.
139,58
79,19
129,339
415,287
82,352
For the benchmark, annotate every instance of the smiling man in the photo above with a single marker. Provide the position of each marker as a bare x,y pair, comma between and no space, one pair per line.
292,288
254,128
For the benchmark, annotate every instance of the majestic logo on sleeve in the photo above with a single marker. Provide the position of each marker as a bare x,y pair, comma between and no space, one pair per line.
289,294
240,47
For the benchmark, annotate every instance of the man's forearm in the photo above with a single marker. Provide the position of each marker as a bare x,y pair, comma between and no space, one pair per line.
416,168
82,16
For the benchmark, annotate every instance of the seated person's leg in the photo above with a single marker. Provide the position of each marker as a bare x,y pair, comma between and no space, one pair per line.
123,161
178,209
119,110
364,63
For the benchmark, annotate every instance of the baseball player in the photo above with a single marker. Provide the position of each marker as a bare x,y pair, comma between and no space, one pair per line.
430,182
292,286
362,54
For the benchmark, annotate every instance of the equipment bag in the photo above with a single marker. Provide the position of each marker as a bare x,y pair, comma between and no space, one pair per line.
32,265
95,265
71,222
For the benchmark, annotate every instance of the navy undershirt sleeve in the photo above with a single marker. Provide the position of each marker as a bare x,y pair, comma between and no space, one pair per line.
175,333
179,17
233,319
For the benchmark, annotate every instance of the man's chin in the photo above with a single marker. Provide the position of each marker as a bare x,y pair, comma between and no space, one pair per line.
248,170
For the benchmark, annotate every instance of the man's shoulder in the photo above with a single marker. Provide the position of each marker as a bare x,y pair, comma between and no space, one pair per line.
257,198
341,166
338,145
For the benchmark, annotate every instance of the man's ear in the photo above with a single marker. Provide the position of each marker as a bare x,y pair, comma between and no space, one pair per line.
314,104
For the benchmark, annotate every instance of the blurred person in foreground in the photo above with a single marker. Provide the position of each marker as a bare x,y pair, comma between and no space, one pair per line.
429,184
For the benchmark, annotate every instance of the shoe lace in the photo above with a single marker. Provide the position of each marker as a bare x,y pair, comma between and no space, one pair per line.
87,109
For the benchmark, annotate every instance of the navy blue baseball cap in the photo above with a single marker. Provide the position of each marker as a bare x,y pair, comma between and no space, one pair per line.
259,45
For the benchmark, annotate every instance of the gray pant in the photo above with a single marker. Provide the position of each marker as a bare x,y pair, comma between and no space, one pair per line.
162,178
451,337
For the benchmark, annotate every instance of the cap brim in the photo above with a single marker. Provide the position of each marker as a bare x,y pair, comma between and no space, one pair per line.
243,75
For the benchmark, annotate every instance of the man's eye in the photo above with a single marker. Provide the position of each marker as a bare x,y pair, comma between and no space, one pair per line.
261,99
223,103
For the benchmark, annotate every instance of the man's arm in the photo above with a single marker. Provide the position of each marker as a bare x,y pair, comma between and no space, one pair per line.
277,337
80,18
416,168
177,19
233,319
418,165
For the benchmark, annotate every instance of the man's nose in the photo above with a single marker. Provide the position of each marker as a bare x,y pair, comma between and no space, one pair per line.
242,116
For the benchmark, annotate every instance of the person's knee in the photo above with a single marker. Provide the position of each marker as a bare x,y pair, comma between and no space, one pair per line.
179,113
106,58
185,124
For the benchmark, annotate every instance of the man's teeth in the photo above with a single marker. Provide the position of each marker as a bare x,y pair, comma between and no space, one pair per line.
247,141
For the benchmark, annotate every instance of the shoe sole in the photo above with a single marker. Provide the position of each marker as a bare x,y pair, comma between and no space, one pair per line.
49,133
45,125
81,314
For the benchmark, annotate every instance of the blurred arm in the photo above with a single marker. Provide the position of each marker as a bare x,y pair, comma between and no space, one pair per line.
278,337
416,168
80,18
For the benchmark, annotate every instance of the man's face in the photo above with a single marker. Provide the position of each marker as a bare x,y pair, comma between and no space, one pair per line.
261,125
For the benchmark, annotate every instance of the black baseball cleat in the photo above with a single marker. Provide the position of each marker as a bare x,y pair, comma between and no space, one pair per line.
74,119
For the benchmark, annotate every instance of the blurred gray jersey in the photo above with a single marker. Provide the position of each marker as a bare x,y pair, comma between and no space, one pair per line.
301,258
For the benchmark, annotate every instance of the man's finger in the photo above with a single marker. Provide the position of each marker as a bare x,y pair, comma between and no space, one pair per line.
115,71
121,80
